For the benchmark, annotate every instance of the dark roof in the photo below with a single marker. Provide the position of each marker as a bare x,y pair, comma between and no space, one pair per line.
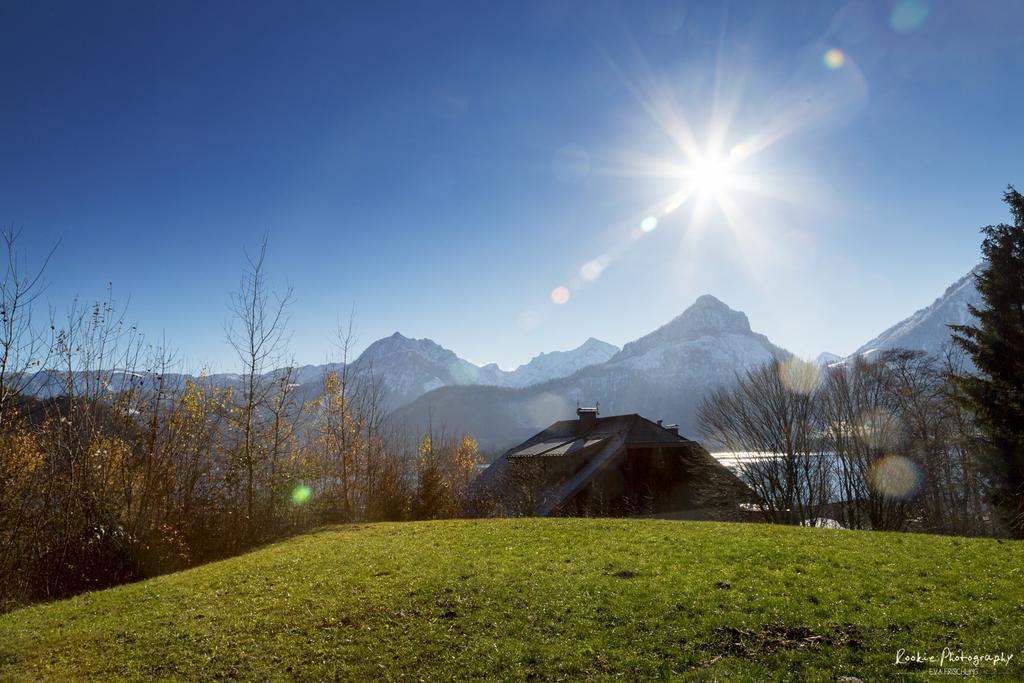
570,436
594,444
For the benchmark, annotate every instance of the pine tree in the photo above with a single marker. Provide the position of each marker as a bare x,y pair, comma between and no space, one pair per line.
996,345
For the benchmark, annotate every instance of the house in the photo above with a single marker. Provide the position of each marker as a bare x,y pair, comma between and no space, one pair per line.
609,466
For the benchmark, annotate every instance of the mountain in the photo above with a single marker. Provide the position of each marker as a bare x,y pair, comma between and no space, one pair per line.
928,329
410,368
825,359
405,368
548,366
664,374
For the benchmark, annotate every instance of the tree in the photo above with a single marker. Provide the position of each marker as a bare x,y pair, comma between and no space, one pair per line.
335,446
995,394
859,426
24,348
258,334
444,470
769,416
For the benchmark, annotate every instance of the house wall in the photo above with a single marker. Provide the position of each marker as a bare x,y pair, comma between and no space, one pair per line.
528,478
648,481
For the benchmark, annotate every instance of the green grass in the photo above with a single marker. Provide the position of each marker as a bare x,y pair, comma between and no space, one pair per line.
544,599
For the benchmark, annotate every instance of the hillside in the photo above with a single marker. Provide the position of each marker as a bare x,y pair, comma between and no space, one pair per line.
543,599
928,329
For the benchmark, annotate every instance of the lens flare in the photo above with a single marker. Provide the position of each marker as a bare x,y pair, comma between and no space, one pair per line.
908,15
544,409
711,173
800,376
740,151
880,428
895,477
591,270
560,295
834,58
675,203
301,494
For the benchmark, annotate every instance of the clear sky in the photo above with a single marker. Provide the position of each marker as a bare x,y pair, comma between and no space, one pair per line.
821,166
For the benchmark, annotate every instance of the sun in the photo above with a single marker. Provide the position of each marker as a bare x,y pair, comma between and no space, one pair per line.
710,176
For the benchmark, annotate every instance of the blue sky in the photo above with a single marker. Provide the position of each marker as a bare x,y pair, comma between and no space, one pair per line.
446,166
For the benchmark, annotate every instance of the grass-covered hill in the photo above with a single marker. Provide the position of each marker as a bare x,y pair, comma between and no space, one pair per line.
545,599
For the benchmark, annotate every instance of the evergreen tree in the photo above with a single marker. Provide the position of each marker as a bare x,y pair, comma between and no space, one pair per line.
996,345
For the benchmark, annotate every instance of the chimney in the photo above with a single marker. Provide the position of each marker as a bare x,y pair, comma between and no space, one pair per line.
587,416
674,428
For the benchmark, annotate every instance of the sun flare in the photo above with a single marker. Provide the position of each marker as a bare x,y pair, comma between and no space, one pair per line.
717,183
711,176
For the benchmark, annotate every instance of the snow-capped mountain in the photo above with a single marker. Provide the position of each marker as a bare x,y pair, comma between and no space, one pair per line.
404,368
548,366
928,329
664,374
825,359
707,317
408,368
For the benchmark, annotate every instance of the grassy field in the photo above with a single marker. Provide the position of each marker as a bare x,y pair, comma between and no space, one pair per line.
546,599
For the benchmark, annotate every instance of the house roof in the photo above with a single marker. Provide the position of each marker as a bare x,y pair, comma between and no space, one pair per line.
593,443
568,437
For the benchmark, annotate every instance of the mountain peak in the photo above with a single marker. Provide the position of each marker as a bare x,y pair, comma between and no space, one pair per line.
557,364
595,346
399,343
708,300
706,317
709,315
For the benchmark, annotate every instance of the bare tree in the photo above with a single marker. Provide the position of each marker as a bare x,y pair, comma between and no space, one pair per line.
345,424
771,421
973,513
24,347
258,334
903,443
24,351
860,427
936,437
283,411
